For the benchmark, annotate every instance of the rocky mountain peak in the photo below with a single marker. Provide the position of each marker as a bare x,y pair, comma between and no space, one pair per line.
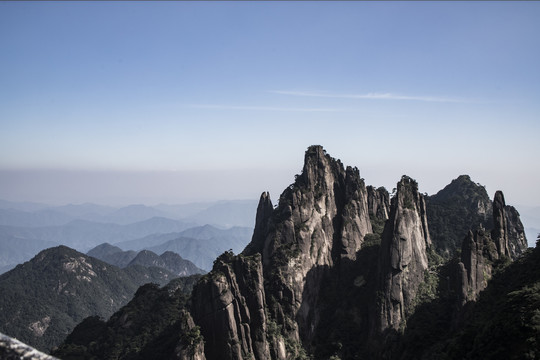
459,207
320,169
262,222
321,220
463,188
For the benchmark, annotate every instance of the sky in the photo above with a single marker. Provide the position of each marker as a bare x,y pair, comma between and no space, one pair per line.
172,102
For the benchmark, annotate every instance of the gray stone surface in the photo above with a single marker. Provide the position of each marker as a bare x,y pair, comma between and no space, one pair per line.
13,349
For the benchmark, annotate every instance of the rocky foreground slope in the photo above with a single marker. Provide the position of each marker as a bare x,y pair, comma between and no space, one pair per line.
340,270
13,349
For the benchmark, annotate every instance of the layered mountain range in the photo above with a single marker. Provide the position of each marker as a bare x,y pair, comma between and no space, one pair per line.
26,229
341,270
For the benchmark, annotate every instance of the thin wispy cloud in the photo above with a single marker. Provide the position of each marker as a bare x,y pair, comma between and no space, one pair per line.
371,96
262,108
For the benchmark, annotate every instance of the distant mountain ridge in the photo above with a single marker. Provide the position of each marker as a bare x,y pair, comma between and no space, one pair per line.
15,250
84,226
201,245
84,235
112,254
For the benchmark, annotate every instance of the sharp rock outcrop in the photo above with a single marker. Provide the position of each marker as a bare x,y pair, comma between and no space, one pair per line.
403,255
499,234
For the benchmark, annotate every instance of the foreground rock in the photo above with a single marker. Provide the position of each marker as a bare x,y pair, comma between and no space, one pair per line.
13,349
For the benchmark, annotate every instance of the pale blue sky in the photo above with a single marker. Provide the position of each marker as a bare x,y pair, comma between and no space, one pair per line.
219,100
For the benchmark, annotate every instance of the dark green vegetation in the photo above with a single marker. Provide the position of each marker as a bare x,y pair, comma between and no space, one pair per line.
503,324
505,321
43,299
344,316
151,326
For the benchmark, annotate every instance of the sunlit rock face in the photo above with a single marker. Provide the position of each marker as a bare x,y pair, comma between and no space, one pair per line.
320,221
403,257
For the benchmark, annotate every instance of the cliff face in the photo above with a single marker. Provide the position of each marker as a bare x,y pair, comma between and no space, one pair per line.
478,253
230,308
517,242
403,258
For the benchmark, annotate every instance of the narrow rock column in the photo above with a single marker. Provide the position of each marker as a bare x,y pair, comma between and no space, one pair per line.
403,257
